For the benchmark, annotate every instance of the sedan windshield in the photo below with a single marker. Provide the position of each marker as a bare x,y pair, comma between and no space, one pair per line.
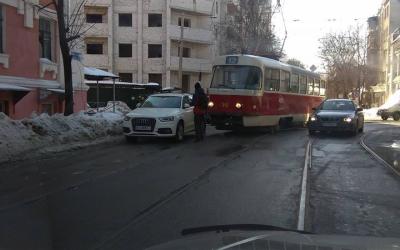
236,77
337,105
162,102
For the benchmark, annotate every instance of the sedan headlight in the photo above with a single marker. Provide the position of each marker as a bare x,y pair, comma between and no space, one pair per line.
347,119
313,118
167,119
127,118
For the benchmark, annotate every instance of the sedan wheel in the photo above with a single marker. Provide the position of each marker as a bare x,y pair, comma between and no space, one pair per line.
180,132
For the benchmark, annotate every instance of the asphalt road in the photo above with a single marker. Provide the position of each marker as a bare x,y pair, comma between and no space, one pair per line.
131,196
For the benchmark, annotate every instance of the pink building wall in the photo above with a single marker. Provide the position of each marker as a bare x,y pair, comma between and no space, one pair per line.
22,46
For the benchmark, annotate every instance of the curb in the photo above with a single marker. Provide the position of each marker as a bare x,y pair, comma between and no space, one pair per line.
304,185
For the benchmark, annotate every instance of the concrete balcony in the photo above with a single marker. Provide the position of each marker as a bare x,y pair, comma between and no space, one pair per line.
203,8
99,3
97,61
191,64
97,30
201,36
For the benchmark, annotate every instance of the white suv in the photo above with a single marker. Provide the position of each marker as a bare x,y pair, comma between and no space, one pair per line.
161,115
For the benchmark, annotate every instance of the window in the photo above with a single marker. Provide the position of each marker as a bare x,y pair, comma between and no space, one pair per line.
155,20
45,38
94,48
125,20
4,107
216,8
316,86
236,77
185,83
294,83
186,52
125,50
271,79
1,30
303,84
155,78
186,100
310,85
94,18
154,51
186,22
322,88
285,81
47,108
125,77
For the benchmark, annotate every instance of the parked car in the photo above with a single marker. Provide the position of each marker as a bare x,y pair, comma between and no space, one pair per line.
392,111
336,115
161,115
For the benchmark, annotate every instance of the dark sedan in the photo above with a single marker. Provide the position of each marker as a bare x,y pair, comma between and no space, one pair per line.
336,115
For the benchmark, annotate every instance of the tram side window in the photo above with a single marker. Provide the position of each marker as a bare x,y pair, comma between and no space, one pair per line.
285,81
316,86
322,88
303,84
294,83
271,79
310,85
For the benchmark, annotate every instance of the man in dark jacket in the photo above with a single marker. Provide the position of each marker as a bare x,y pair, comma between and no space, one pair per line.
200,102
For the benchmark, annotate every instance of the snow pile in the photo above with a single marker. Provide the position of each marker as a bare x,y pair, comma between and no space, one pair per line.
120,107
371,114
44,133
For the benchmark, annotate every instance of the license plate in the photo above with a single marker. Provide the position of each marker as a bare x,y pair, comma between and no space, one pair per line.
143,128
329,124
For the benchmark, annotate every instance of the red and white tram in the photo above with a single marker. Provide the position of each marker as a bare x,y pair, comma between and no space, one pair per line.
252,91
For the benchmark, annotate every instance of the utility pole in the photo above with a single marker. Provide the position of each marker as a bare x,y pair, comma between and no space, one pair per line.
180,55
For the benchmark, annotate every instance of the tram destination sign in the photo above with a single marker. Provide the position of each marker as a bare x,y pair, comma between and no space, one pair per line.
232,60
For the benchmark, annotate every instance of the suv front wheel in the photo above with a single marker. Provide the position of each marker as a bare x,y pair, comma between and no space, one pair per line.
396,116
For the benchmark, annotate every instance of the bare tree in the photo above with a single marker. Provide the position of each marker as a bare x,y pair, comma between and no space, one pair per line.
247,29
71,28
295,62
344,58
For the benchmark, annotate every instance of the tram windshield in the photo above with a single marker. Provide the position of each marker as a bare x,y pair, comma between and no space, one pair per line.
236,77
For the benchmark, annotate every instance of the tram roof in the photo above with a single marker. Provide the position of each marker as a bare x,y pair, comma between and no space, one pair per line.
275,64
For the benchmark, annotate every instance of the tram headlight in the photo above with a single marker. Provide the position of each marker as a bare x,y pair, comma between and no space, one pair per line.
238,105
210,104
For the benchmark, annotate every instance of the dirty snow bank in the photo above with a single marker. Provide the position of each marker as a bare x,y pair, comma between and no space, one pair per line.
43,133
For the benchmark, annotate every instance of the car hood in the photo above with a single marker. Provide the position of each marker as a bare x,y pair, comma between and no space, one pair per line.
154,112
277,238
334,113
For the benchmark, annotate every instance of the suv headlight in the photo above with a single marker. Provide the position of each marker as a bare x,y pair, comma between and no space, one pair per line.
347,119
127,118
313,118
167,119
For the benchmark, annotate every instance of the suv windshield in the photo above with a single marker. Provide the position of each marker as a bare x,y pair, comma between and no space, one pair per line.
236,77
162,102
337,105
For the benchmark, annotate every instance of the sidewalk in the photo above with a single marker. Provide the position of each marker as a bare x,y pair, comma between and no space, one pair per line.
386,143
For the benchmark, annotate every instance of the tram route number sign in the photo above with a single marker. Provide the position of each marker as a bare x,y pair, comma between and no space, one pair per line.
232,60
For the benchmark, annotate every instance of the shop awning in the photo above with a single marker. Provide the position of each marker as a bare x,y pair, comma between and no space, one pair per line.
11,87
58,91
98,73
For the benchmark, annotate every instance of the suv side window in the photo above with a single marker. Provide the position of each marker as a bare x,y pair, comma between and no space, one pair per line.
186,100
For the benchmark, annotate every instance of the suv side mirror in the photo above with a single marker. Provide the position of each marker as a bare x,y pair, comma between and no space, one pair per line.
359,109
186,105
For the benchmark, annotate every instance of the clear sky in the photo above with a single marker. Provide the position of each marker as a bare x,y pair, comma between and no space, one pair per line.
309,20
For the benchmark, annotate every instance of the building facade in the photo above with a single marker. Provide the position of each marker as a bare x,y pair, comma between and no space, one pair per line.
31,75
139,40
382,50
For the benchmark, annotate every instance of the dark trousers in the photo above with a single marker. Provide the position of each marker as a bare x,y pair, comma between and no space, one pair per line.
200,126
